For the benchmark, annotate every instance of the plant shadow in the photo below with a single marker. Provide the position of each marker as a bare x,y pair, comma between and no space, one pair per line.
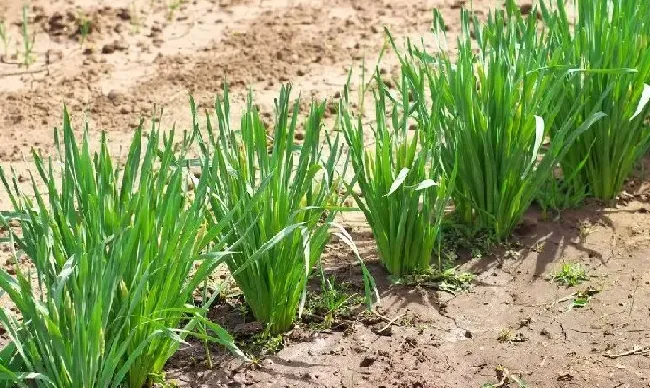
395,297
548,240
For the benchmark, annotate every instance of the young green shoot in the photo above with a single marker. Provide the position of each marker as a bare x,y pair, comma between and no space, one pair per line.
505,379
570,274
134,17
84,24
4,37
172,7
580,299
28,41
505,335
332,301
448,280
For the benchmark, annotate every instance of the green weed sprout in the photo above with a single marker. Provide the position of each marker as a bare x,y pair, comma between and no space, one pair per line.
570,274
299,189
494,109
116,256
404,187
135,19
4,37
84,27
608,35
28,41
172,7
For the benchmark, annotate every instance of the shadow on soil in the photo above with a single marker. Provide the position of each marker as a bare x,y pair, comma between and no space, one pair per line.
548,238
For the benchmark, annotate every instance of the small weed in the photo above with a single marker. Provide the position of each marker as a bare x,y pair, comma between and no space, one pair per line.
580,301
159,380
539,247
449,280
28,41
457,236
263,344
234,298
505,335
559,194
332,302
571,274
581,298
585,228
134,19
452,281
230,292
505,379
508,335
172,7
84,27
4,37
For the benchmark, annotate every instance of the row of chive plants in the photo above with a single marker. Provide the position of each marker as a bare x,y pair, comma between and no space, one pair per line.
119,249
583,90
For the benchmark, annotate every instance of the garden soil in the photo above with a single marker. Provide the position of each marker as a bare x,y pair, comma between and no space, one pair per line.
513,327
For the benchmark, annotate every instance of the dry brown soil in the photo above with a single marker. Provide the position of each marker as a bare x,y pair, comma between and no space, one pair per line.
139,56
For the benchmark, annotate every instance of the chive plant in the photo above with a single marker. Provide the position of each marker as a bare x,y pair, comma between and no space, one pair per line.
299,189
404,187
494,109
115,254
606,35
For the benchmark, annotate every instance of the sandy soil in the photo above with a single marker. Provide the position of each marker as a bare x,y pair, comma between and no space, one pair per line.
139,58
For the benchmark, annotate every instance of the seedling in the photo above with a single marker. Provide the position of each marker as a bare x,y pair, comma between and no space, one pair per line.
4,36
448,280
452,281
28,41
84,27
331,302
505,378
559,194
172,7
505,335
570,274
458,236
263,344
159,380
134,17
585,228
581,298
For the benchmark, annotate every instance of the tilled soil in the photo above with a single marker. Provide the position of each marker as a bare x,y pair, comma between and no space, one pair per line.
141,59
513,317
